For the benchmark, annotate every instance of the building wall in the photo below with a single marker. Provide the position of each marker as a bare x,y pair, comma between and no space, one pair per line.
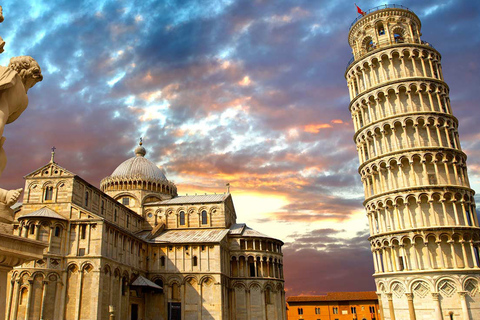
96,253
332,310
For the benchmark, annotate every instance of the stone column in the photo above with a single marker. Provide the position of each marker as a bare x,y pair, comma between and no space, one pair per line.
463,301
44,296
79,296
380,305
15,297
29,298
390,306
411,308
247,297
437,307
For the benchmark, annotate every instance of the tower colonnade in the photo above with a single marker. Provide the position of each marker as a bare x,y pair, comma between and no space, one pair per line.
424,231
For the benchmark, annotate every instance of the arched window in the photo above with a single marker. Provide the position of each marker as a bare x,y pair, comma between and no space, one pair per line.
48,193
380,29
398,38
159,283
58,231
86,198
124,286
195,261
32,229
182,218
368,44
268,296
204,217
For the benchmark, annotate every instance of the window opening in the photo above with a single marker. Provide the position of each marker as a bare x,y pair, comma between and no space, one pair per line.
398,38
102,208
126,201
57,231
115,215
469,218
182,218
162,261
195,261
32,229
204,217
381,30
83,231
335,310
300,310
49,193
86,198
252,269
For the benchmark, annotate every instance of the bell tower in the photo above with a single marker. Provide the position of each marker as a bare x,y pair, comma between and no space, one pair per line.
424,232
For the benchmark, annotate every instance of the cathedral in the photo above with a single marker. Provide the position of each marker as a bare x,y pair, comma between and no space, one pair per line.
424,231
134,249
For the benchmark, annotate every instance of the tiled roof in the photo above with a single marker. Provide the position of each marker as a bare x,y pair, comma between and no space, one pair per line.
336,296
207,198
237,228
243,230
43,213
144,282
191,236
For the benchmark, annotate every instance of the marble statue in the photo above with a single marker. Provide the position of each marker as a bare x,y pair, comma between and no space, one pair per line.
21,74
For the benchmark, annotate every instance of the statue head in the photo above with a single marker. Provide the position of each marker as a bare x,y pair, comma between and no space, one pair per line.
28,70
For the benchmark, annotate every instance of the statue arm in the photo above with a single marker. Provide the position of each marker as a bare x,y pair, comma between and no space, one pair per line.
3,195
4,114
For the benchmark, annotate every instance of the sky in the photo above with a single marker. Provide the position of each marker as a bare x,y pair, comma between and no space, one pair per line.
246,92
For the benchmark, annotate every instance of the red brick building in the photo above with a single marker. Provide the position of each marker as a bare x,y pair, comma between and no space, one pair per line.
334,306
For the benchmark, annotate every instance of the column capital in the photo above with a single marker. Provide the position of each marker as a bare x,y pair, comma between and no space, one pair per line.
389,296
462,294
435,296
409,296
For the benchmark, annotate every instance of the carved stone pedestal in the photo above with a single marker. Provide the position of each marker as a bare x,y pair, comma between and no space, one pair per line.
14,251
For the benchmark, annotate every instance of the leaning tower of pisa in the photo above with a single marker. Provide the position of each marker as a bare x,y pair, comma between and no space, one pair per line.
424,232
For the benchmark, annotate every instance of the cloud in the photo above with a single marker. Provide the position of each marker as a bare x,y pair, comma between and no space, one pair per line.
247,92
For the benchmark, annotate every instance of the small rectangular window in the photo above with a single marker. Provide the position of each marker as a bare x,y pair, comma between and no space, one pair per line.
49,193
81,252
126,201
83,231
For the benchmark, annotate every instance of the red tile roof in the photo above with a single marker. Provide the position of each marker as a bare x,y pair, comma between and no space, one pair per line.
336,296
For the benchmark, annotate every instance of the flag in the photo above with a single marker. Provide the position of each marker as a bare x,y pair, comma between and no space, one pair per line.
360,10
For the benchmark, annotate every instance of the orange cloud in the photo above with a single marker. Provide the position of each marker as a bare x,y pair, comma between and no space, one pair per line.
315,128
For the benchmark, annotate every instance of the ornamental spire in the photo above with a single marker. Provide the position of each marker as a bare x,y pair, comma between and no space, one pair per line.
52,159
140,150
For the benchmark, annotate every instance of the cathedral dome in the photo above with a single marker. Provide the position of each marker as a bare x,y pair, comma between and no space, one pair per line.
139,167
138,173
